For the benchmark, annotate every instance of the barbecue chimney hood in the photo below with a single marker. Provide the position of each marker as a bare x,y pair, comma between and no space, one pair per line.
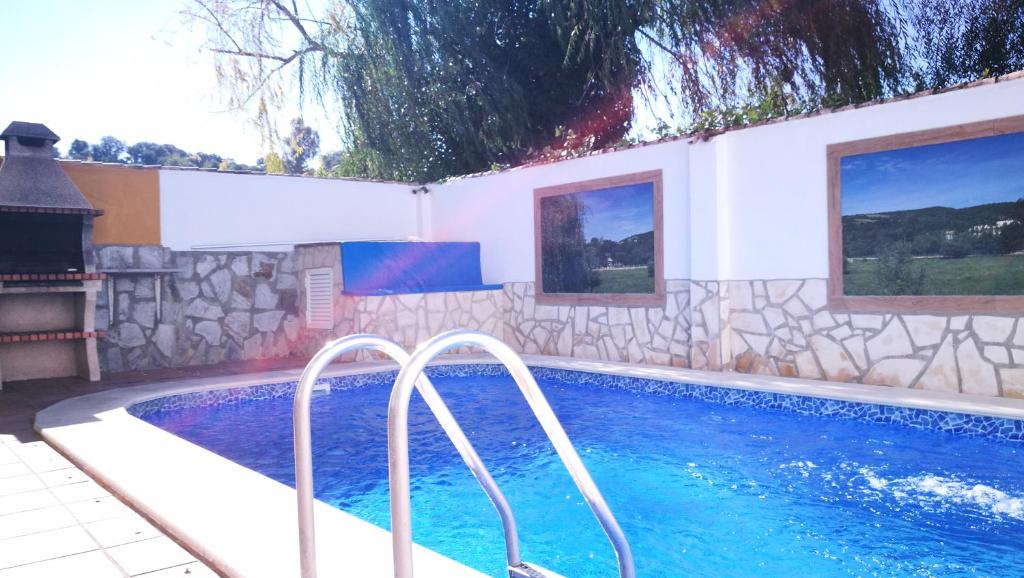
45,221
31,180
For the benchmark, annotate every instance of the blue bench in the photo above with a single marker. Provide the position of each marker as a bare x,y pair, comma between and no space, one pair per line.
401,267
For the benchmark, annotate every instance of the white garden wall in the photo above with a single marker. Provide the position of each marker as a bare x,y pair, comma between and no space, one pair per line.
747,204
745,241
210,210
497,209
775,185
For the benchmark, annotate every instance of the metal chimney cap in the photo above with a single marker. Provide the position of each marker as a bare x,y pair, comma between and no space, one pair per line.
32,130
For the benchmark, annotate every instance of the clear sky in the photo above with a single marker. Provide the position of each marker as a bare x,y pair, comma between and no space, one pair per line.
618,212
127,68
957,174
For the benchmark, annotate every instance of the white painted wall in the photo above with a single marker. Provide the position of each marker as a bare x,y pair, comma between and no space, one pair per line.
272,212
748,204
775,188
497,209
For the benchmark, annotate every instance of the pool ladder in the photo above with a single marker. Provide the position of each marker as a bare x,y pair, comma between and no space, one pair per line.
412,376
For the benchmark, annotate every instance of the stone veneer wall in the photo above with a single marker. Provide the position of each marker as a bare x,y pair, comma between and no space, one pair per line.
233,306
709,306
407,319
784,327
657,335
216,307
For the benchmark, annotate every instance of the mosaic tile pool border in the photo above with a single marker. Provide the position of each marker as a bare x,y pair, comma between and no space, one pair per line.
950,422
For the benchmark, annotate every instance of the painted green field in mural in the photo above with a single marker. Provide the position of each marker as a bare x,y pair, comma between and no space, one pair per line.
624,281
974,275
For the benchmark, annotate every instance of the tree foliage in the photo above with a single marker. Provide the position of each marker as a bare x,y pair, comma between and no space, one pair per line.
565,268
273,164
113,150
898,274
728,51
428,89
301,146
968,39
108,150
79,150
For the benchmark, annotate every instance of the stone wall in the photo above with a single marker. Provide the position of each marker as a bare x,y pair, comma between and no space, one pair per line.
217,307
784,327
707,350
407,319
207,307
316,256
657,335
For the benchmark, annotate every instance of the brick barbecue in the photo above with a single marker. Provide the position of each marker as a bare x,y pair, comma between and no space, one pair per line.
48,280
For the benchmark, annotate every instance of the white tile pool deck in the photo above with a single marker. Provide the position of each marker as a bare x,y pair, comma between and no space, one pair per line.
234,519
55,521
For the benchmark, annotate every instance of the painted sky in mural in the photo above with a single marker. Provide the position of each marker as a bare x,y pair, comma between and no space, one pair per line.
956,175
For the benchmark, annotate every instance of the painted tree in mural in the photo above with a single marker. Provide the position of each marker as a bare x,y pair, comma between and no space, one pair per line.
428,89
563,246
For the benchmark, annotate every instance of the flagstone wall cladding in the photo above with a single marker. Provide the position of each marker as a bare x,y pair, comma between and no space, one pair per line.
233,306
784,327
657,335
215,307
707,300
407,319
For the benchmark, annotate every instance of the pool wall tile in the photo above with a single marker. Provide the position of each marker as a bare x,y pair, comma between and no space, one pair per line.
1005,429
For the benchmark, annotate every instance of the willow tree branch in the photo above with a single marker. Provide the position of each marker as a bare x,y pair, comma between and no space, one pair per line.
659,44
259,55
297,23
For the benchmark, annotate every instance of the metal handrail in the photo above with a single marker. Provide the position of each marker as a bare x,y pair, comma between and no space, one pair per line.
398,444
304,458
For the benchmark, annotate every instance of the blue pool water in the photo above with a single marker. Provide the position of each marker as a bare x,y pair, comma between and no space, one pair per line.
700,489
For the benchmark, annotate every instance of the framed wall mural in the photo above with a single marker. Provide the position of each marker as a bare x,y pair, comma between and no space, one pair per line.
600,241
929,221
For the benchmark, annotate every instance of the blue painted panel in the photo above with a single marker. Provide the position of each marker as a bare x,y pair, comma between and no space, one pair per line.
395,267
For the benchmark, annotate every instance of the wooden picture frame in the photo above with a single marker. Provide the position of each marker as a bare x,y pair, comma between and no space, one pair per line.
939,304
657,298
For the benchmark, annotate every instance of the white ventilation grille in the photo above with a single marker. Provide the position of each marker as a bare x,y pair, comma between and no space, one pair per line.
320,298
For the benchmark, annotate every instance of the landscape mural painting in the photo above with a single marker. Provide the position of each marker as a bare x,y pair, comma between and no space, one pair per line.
599,241
940,219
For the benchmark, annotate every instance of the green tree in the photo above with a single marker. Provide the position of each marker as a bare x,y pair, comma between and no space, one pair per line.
963,40
358,161
79,150
565,265
273,164
149,153
206,160
301,146
329,162
231,165
432,89
109,150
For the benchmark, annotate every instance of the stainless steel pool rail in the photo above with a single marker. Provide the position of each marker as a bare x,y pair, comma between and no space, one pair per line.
398,447
304,457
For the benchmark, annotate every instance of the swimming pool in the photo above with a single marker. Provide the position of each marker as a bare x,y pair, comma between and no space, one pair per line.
704,480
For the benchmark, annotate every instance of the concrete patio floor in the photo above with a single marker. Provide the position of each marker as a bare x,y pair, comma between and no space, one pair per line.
55,521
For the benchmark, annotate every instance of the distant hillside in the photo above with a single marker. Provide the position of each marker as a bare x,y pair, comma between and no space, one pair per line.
635,250
924,230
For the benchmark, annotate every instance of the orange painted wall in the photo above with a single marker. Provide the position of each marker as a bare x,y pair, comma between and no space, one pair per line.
129,197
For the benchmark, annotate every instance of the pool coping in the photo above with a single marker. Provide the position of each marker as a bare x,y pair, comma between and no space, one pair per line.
213,517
